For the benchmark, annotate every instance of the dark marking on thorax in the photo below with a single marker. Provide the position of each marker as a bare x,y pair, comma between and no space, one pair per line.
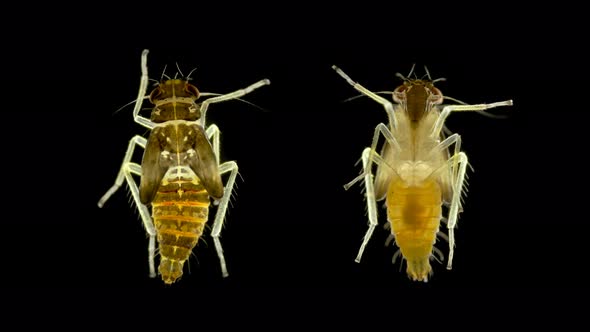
417,97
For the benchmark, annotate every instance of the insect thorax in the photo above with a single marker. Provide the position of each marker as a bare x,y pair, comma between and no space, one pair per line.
175,100
179,174
178,140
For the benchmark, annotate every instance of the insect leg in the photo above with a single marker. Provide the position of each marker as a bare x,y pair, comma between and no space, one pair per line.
367,156
451,172
453,139
379,129
133,168
438,125
125,173
229,96
141,95
386,104
371,202
457,184
136,140
229,166
213,135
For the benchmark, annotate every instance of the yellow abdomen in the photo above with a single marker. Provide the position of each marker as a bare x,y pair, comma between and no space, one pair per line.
180,211
414,213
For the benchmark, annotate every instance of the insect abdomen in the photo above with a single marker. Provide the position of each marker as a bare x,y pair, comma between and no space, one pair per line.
180,210
414,213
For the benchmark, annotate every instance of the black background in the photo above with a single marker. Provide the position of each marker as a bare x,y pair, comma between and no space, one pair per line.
292,225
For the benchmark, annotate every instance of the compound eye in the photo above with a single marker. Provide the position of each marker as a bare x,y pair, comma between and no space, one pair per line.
399,94
156,94
192,90
436,96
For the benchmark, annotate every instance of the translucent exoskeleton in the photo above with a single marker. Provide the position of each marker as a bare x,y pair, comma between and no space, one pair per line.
180,171
417,171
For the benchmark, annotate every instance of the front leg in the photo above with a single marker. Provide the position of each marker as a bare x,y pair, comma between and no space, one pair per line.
384,102
229,96
141,95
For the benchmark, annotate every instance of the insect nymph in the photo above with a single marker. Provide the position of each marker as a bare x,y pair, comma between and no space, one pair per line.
417,172
180,171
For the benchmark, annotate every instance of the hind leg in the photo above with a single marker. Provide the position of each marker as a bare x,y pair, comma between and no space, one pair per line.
125,173
457,190
368,156
232,167
213,134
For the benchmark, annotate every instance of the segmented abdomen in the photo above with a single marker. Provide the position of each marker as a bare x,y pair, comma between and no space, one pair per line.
180,209
414,213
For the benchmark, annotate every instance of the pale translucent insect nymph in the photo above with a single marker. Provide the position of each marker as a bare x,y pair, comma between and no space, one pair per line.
180,171
417,171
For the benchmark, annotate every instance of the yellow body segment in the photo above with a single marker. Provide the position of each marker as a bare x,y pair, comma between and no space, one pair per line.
180,209
414,213
180,170
420,166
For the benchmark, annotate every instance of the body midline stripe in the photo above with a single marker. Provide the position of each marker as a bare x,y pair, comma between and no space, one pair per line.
181,218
